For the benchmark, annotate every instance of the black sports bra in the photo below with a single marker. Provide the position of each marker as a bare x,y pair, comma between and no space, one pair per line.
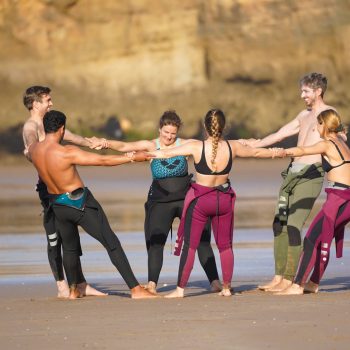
202,166
328,167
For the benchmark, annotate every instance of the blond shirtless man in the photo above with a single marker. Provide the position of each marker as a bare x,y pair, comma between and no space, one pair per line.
302,182
38,101
73,204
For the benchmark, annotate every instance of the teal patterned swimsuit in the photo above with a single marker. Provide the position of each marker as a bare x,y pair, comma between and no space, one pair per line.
171,167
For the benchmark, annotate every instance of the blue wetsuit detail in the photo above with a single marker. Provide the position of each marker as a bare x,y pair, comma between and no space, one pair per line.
171,167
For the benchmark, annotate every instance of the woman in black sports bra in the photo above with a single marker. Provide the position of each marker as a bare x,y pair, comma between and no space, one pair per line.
210,197
329,223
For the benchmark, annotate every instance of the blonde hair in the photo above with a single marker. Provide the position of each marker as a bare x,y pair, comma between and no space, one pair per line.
332,122
214,123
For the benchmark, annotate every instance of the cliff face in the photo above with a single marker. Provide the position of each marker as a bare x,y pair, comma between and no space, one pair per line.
136,58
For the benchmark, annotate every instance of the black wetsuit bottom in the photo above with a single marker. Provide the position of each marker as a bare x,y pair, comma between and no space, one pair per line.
158,223
94,221
54,242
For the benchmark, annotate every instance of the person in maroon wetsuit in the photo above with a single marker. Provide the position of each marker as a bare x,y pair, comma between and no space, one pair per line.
329,223
210,197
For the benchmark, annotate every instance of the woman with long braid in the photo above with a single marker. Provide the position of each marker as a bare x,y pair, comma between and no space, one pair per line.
210,197
166,198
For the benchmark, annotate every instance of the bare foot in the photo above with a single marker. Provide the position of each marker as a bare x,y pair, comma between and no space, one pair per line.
62,289
294,289
284,284
87,290
226,292
311,287
74,292
215,286
140,293
151,287
177,293
276,279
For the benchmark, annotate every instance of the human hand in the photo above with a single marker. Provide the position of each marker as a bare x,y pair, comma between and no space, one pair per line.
97,143
278,152
138,156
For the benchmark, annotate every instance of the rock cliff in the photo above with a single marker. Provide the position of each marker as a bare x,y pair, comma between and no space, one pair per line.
136,58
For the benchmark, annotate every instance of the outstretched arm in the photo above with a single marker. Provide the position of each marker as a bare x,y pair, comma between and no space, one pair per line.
76,139
121,146
248,152
77,156
290,129
317,148
187,149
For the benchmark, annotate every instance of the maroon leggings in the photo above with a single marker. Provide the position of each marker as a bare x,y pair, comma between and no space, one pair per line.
315,254
216,205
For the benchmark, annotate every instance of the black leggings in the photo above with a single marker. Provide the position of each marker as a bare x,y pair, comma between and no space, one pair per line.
94,221
158,222
54,242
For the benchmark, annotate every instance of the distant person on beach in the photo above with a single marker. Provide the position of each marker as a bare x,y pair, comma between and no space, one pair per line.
73,204
329,223
166,195
211,196
38,101
302,182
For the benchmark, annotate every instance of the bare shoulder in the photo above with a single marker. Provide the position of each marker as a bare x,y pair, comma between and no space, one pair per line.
71,148
30,124
234,143
326,107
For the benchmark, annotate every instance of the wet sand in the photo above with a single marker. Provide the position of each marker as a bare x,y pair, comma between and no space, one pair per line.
122,192
31,317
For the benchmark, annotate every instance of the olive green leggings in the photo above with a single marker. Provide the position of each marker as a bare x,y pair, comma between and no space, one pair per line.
288,239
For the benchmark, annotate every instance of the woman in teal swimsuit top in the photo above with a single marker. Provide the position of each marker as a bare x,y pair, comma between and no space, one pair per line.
166,198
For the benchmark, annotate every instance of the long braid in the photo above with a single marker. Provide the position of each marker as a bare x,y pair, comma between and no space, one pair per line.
216,134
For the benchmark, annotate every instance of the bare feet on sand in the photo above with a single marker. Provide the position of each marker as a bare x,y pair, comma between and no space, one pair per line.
215,286
294,289
151,287
177,293
311,287
276,280
86,290
74,292
225,292
141,293
284,284
62,289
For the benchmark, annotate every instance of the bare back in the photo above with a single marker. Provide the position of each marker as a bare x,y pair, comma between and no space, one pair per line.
221,161
339,173
55,168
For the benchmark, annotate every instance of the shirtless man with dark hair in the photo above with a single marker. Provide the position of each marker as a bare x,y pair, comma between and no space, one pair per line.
73,204
38,101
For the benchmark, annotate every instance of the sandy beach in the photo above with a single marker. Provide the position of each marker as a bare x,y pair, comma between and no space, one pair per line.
32,317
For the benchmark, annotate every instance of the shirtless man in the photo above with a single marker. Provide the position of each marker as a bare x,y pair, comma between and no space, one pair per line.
37,100
303,180
73,204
